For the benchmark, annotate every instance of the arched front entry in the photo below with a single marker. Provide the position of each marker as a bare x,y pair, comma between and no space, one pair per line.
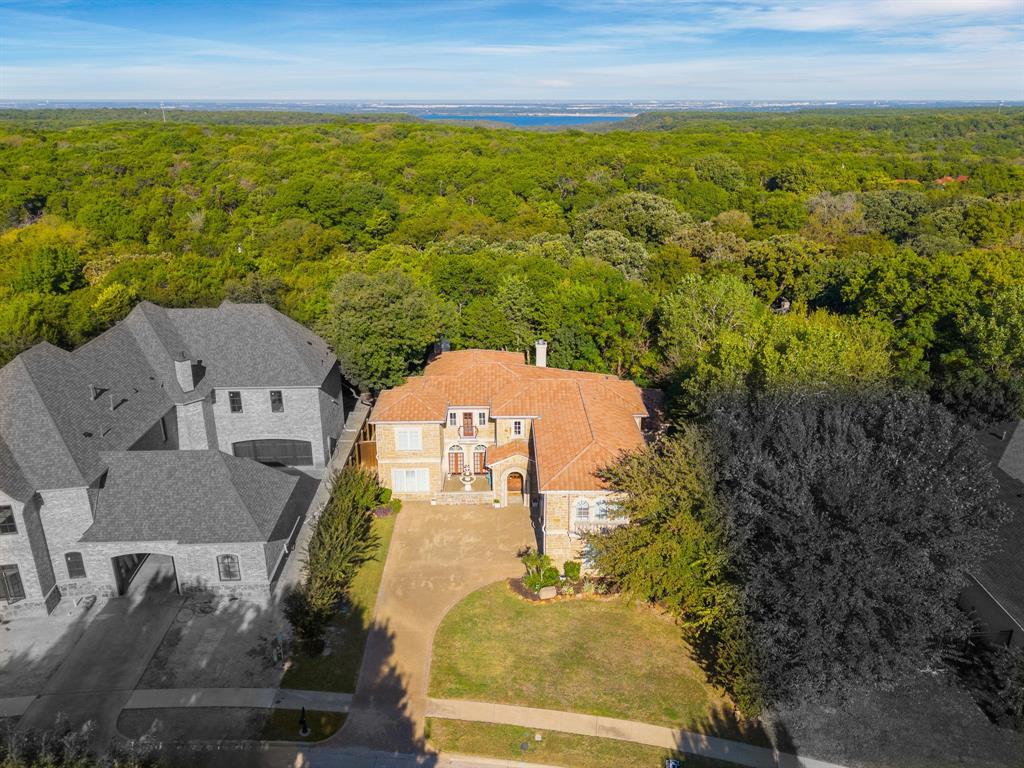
145,573
515,488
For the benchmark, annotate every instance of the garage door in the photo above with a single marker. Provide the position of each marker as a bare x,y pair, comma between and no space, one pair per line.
289,453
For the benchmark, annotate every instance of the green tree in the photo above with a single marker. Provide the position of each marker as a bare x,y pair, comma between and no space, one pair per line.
616,249
875,506
638,215
114,301
380,327
50,269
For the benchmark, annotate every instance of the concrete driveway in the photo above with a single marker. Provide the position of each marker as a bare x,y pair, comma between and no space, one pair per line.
99,673
438,556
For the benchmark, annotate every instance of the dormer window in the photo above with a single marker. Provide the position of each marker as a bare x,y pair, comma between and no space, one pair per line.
235,401
517,428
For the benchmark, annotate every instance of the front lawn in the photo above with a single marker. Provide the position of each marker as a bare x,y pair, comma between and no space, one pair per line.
506,742
346,634
609,658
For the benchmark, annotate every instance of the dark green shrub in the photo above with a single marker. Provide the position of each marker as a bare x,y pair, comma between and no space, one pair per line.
572,570
396,505
384,496
550,577
309,620
533,581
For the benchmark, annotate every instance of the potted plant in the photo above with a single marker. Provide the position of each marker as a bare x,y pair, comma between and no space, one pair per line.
497,503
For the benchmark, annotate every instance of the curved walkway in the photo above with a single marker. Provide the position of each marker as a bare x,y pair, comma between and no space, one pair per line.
624,730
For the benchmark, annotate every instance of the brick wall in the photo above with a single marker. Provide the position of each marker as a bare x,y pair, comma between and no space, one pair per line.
300,420
66,514
428,457
505,433
195,566
22,550
557,517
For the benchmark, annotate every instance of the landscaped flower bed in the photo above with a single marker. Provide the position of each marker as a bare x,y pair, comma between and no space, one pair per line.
542,582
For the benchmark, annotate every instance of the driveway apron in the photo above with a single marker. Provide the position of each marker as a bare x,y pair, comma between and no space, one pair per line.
439,554
96,678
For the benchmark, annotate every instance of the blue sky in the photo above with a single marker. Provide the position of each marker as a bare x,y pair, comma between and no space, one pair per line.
491,50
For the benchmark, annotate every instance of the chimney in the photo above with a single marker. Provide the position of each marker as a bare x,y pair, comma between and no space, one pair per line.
541,353
183,370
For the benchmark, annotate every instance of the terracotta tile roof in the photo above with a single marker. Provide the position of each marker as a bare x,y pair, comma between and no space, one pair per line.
582,420
496,453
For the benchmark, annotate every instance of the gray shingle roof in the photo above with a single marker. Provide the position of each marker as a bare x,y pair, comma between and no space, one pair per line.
252,345
193,497
12,481
53,426
47,417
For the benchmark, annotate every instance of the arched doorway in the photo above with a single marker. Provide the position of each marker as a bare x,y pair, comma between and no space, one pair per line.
515,488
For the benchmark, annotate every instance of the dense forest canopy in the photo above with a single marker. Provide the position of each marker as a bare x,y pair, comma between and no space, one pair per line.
704,252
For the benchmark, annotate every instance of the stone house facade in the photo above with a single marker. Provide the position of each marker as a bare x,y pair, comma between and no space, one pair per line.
160,437
485,427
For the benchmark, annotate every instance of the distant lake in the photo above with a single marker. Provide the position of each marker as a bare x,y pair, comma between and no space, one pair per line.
530,119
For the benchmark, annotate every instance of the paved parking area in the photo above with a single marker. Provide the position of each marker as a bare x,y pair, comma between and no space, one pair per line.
218,642
32,647
439,554
97,675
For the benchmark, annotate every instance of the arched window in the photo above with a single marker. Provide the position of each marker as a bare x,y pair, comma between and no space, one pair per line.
582,509
456,460
479,459
227,566
602,510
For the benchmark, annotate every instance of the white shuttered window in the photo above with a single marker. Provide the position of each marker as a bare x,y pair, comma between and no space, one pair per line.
410,480
409,439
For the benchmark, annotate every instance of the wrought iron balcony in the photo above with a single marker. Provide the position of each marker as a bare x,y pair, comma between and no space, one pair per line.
468,433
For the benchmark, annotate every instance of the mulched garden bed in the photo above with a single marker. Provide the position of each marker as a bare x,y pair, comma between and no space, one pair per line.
520,590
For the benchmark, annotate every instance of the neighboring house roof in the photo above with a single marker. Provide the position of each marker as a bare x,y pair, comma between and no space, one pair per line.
1002,572
583,421
192,497
59,409
12,481
251,345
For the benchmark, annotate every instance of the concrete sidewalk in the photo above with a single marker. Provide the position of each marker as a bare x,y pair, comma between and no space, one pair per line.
256,698
623,730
